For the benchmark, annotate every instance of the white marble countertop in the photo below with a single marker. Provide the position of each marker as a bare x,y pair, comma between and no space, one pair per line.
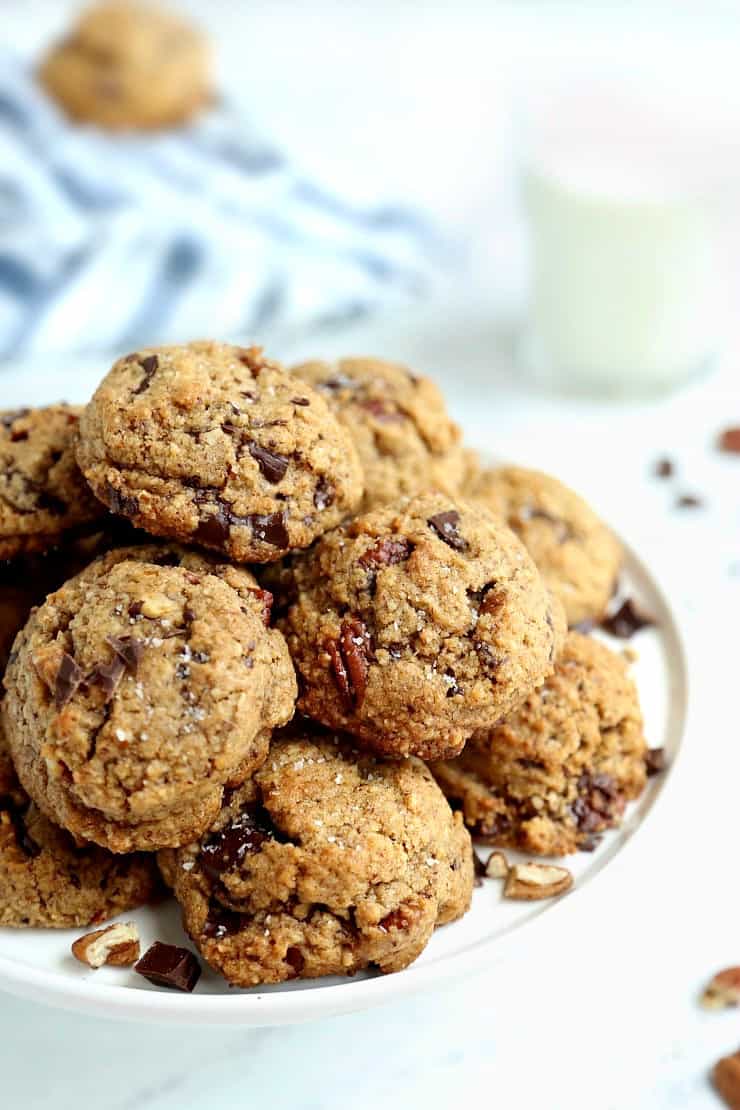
605,1017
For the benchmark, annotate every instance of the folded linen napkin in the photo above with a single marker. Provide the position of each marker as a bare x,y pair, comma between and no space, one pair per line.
109,241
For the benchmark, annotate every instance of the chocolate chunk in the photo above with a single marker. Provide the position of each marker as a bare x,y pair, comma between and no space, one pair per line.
129,651
294,957
689,501
268,528
445,525
213,530
272,465
350,661
664,468
68,678
626,621
598,804
221,922
479,869
729,441
168,966
339,381
302,401
149,365
655,761
119,503
7,419
108,675
562,530
324,494
490,663
245,833
264,598
386,552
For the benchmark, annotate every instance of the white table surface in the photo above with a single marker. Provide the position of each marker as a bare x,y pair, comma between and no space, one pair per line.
603,1018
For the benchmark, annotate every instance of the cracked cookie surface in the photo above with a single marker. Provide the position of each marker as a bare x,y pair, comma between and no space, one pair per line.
141,688
128,65
43,496
47,881
218,446
576,553
399,424
325,862
416,624
561,768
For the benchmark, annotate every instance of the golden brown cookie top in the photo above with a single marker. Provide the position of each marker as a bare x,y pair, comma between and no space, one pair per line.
399,424
219,446
576,553
413,625
327,860
43,496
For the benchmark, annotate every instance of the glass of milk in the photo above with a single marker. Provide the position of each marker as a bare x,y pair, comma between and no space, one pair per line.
619,195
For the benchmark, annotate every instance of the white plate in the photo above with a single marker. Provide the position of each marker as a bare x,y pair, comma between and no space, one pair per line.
37,964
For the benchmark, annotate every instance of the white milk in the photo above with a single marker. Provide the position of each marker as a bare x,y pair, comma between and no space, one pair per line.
625,292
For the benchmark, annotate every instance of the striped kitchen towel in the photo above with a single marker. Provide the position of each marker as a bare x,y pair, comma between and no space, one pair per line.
109,241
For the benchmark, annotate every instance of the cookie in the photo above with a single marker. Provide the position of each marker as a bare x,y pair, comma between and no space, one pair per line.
399,424
141,688
577,555
43,497
416,624
129,66
219,446
47,881
562,767
325,862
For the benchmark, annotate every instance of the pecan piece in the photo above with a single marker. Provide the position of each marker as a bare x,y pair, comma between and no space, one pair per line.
386,552
117,945
726,1078
350,661
532,881
723,990
497,866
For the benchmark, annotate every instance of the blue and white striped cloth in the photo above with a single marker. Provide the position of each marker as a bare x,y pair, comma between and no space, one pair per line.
111,241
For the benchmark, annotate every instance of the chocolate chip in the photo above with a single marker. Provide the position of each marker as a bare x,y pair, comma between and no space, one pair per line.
689,501
129,650
213,530
626,621
350,661
120,503
68,678
272,465
489,662
729,441
598,804
445,525
168,966
264,599
294,957
302,401
245,833
268,528
221,923
108,675
387,552
149,365
655,761
479,869
664,468
324,494
339,381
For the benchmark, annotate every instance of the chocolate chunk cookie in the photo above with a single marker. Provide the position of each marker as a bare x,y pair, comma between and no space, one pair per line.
325,862
47,881
398,421
139,689
219,446
43,496
129,66
416,624
562,767
577,555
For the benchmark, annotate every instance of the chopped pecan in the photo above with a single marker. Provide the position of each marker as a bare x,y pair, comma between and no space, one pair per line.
350,661
532,881
116,945
723,990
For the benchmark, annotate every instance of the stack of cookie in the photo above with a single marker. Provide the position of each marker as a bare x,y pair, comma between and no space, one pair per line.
259,734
